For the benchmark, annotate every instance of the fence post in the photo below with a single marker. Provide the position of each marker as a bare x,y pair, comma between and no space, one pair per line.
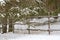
49,22
28,23
28,29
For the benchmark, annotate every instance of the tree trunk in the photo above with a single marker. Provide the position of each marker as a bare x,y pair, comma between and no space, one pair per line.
11,26
4,25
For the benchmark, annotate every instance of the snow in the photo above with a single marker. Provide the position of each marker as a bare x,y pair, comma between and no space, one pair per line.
42,20
1,0
20,26
38,37
14,36
39,20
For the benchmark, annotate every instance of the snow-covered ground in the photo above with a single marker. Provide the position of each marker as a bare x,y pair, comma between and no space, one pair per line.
14,36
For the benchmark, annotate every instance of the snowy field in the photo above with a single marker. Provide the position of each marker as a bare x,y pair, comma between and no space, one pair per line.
14,36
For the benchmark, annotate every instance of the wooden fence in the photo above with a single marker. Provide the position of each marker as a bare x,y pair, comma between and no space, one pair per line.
49,30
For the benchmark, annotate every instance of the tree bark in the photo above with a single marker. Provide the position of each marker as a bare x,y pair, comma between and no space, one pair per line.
4,25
